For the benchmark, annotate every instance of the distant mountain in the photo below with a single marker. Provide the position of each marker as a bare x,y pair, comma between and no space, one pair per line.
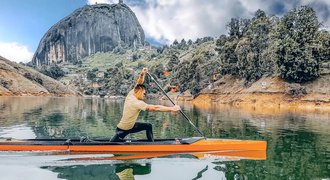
90,29
20,80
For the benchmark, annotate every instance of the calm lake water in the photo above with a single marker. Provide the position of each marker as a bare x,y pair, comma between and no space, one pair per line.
298,142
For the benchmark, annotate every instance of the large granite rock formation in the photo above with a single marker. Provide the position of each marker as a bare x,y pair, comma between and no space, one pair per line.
90,29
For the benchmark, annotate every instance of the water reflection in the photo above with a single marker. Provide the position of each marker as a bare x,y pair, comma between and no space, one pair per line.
223,155
121,171
298,142
178,166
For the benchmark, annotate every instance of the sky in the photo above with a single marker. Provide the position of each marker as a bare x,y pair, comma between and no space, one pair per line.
24,22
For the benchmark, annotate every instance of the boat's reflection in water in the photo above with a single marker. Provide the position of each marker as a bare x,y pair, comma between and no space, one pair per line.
223,155
126,166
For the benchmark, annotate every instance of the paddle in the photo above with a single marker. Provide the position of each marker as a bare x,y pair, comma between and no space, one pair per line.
174,104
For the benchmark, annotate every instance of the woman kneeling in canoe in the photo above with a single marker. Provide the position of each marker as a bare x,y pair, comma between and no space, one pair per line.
133,105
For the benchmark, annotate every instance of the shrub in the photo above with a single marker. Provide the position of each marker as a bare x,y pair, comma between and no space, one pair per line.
295,89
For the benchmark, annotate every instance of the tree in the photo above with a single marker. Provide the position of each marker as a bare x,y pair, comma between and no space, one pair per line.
256,35
246,59
195,73
183,44
158,70
175,43
298,55
227,57
53,71
189,42
117,75
182,75
324,49
91,75
268,56
188,75
233,28
135,57
258,31
174,60
198,41
259,14
243,26
161,49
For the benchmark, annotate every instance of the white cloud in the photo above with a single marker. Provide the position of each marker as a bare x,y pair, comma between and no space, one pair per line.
90,2
189,19
15,52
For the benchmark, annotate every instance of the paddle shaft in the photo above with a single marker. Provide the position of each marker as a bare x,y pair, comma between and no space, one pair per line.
174,104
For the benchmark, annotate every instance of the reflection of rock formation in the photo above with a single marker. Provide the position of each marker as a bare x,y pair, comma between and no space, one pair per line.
61,117
264,119
13,110
80,117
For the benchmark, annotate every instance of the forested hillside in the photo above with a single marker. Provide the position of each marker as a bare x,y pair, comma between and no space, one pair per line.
294,48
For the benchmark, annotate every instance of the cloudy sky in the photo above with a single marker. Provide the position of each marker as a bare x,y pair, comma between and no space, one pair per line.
24,22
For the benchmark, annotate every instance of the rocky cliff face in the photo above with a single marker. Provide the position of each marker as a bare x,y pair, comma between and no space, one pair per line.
90,29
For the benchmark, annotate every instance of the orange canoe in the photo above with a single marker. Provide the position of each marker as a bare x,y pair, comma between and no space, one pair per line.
187,145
